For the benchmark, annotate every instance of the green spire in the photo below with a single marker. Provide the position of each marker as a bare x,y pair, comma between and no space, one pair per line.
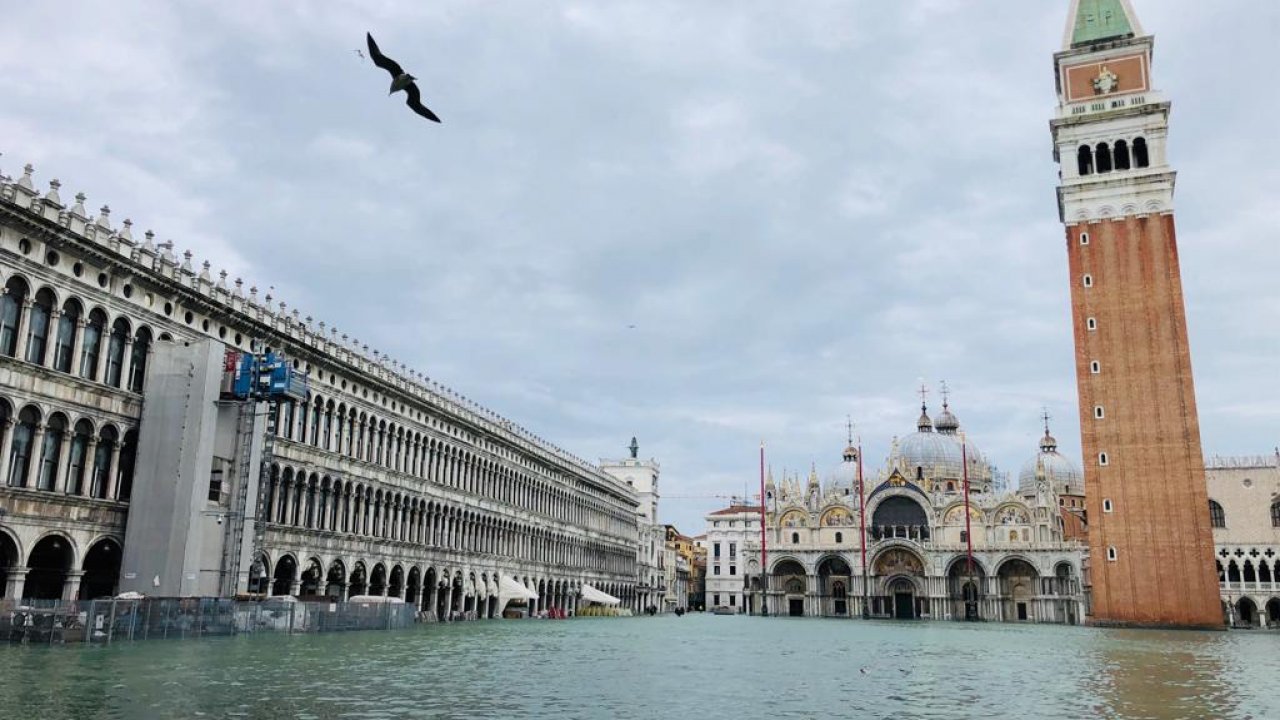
1098,20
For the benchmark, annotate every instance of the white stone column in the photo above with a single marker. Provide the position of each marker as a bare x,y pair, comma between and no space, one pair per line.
34,456
77,346
16,582
71,586
90,461
348,503
126,363
50,338
112,467
24,321
6,448
64,463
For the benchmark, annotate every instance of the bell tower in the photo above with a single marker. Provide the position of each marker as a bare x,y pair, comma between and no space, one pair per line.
1150,543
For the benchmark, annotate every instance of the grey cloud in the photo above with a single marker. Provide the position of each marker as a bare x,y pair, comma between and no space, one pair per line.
801,210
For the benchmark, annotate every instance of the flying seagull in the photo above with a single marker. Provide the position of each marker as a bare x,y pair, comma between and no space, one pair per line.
400,80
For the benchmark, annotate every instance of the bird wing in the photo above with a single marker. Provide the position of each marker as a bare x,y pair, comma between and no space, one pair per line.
383,61
414,101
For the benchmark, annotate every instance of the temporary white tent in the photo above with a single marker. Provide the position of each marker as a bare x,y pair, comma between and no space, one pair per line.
591,594
509,589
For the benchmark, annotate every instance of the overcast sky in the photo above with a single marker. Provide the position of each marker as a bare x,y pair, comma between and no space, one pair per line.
802,208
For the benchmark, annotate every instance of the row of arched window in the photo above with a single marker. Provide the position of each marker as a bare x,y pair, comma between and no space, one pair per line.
1104,157
311,501
55,455
71,339
356,434
1247,572
1218,518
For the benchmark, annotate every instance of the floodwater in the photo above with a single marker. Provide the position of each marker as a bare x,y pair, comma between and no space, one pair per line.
697,666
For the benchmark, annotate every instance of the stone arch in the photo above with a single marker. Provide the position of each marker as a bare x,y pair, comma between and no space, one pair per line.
1273,612
790,577
430,586
965,586
11,555
1017,577
16,289
120,336
395,583
91,344
142,338
286,572
413,585
359,582
1246,612
39,316
260,573
101,567
23,454
335,578
898,515
50,559
312,580
378,580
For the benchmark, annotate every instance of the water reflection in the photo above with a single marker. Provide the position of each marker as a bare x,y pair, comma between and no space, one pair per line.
703,666
1164,674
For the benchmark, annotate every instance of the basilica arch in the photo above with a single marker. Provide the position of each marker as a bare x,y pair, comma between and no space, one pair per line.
790,581
967,589
834,583
899,516
899,590
1018,580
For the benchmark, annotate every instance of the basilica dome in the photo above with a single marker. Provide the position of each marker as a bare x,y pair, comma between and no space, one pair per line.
937,454
845,475
1064,476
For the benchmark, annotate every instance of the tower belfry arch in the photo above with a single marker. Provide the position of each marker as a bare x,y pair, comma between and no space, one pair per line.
1143,464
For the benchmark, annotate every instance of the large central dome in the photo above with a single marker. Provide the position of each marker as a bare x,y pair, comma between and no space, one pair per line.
938,454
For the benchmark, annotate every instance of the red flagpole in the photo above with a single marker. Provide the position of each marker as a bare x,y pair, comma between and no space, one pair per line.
764,546
968,529
968,533
862,531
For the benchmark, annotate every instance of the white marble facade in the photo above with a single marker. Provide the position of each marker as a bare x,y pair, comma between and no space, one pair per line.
917,540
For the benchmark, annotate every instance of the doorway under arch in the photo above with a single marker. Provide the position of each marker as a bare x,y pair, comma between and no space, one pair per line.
1246,613
50,561
902,596
101,570
359,580
8,557
1017,586
286,571
790,578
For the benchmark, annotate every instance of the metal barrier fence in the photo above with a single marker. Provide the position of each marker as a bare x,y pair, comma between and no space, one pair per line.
107,621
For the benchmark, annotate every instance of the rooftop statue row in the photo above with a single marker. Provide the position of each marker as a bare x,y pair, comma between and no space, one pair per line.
160,259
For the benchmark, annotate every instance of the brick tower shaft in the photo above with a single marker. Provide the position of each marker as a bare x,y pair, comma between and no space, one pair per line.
1150,542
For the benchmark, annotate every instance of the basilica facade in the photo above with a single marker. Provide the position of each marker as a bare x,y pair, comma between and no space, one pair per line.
125,465
905,540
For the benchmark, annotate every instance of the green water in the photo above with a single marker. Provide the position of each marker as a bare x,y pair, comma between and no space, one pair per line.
666,667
